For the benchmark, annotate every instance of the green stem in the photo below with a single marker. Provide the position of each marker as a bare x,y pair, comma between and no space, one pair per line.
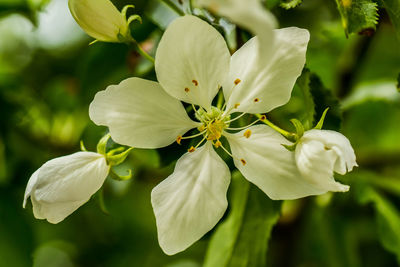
288,135
142,52
173,6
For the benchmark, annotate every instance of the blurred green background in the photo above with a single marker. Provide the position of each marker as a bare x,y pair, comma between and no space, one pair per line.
49,75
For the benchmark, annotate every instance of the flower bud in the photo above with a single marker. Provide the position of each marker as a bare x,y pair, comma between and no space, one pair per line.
62,185
100,19
320,153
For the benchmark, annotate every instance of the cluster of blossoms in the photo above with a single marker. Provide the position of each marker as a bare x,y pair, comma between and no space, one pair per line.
193,65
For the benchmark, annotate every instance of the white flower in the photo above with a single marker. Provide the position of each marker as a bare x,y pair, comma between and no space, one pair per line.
100,19
319,153
62,185
192,62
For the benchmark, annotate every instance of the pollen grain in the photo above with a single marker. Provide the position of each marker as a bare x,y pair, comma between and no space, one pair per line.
237,81
195,82
243,161
247,133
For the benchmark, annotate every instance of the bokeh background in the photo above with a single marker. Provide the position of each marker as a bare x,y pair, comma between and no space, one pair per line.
49,75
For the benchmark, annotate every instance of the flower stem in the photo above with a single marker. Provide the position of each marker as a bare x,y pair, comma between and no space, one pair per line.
288,135
142,52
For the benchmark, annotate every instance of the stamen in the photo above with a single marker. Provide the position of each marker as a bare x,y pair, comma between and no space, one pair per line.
243,161
263,117
226,150
237,81
179,139
218,144
256,100
244,127
236,105
191,149
187,90
192,136
247,133
238,117
195,82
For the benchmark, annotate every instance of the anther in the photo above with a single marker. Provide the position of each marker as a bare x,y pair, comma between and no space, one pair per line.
195,82
246,134
237,81
243,161
236,105
191,149
263,117
187,90
179,139
217,144
256,100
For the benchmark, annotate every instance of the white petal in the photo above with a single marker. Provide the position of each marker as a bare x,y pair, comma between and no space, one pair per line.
191,200
99,19
29,188
346,159
266,82
316,164
268,164
140,114
192,61
64,184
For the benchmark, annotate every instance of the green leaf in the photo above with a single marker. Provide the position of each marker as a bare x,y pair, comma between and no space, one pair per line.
393,9
358,16
388,219
290,4
242,238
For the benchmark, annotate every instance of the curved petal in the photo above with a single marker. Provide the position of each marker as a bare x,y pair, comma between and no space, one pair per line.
29,187
192,61
140,114
346,158
263,160
99,19
191,200
65,183
266,83
316,164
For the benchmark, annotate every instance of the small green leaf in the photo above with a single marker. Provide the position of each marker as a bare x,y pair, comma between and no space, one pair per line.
299,127
290,4
321,121
242,239
388,219
393,9
358,16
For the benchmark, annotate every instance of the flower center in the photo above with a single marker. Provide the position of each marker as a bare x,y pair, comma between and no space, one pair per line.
214,122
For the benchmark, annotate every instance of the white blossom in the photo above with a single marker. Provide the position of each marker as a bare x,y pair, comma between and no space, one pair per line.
320,153
192,63
62,185
100,19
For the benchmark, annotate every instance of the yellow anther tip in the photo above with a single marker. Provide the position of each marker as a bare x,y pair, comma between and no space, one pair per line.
191,149
179,139
256,100
236,105
243,161
195,82
263,118
187,90
247,133
237,81
217,144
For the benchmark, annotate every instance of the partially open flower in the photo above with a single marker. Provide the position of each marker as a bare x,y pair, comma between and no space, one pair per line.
63,184
101,19
320,153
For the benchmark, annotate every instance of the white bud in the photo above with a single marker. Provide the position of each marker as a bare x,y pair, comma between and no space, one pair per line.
63,184
100,19
320,153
